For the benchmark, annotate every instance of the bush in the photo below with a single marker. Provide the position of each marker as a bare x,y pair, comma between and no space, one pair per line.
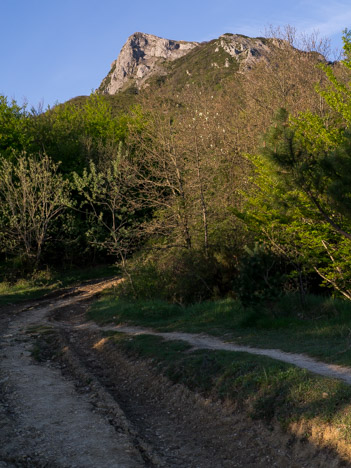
144,281
178,276
261,276
195,277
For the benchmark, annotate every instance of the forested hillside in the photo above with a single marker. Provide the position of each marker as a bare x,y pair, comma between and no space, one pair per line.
212,180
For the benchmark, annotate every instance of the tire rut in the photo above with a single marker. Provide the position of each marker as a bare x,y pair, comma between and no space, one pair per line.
45,422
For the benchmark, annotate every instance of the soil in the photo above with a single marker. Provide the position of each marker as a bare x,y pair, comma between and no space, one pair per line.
68,399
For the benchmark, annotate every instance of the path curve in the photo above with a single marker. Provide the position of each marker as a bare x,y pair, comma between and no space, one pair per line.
203,341
44,421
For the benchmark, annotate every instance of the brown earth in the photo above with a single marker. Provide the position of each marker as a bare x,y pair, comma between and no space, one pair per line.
82,403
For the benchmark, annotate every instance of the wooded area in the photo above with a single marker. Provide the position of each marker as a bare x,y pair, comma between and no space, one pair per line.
236,187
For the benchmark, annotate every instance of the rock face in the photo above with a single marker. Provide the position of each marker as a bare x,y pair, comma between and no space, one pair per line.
145,55
141,57
246,50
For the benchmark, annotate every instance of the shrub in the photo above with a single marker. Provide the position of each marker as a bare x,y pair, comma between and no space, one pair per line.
178,276
261,276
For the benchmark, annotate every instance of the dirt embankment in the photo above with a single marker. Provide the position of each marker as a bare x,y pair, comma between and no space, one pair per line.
82,403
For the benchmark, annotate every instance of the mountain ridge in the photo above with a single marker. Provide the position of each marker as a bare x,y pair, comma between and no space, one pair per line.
144,56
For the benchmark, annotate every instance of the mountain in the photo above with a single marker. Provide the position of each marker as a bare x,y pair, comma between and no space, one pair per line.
142,56
145,57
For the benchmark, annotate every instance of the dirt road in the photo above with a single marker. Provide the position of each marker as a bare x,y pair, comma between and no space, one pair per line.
45,421
76,405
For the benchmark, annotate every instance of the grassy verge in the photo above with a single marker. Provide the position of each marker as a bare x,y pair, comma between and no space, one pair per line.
314,407
43,283
323,330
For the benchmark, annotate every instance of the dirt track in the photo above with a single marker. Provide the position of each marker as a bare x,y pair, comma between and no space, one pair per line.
85,405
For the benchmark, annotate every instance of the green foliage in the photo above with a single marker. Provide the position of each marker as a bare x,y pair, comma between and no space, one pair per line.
194,276
177,275
76,134
13,127
72,135
112,199
32,194
119,103
260,276
146,282
303,182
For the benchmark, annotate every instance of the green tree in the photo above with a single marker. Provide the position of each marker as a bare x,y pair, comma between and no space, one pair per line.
13,127
303,181
32,194
113,206
75,134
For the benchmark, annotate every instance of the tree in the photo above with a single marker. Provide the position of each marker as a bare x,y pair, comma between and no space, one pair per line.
111,196
188,165
32,194
307,161
161,172
75,134
13,127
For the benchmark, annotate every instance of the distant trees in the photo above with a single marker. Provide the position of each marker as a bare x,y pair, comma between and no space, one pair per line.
38,154
188,171
13,127
76,134
188,166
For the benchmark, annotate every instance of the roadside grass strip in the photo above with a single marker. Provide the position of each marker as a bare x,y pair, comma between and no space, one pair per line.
326,337
266,389
308,405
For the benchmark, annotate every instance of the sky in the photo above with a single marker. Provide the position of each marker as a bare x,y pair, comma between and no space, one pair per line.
53,50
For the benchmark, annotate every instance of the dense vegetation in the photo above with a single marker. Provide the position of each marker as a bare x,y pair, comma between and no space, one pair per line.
213,186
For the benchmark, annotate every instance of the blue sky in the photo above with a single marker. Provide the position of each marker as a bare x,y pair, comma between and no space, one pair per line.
52,50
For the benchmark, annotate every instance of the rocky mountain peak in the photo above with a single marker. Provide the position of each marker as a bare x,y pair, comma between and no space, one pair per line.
141,57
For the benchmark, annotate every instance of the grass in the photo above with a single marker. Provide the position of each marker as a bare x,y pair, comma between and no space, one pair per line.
323,330
310,406
265,388
45,282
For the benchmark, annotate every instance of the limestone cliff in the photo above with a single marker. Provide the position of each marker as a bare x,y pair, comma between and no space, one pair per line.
141,57
246,50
